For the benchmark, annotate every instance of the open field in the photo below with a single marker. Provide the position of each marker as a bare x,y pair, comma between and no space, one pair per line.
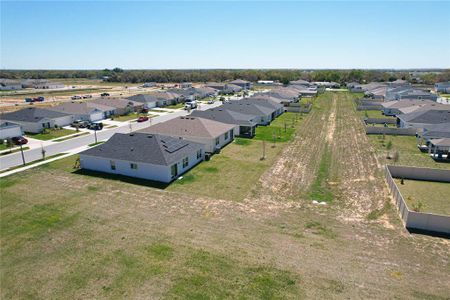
406,146
78,236
425,196
50,134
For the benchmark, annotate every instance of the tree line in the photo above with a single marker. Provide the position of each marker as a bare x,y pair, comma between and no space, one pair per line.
282,75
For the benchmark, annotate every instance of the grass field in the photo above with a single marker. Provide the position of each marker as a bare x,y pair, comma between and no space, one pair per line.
281,129
406,146
425,196
69,235
50,134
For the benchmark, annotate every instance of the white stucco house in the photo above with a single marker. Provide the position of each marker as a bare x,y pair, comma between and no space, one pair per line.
9,130
141,155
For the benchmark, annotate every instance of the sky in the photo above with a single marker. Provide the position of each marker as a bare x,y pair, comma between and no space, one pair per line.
226,35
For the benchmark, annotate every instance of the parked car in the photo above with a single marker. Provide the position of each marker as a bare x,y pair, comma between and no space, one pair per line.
76,97
79,124
87,96
211,101
190,105
95,126
39,99
28,100
104,94
142,119
19,140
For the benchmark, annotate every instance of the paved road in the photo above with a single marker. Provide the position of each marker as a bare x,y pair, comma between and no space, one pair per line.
15,159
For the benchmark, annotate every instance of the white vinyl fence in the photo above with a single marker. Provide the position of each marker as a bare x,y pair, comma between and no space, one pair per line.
418,220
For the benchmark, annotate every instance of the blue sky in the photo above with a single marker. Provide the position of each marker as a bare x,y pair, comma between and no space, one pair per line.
233,34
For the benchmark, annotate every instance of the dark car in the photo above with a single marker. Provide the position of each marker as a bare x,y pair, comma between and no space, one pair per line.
19,140
28,100
104,94
95,126
87,96
142,119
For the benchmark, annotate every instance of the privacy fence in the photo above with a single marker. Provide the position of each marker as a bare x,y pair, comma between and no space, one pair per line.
299,107
362,104
422,221
390,131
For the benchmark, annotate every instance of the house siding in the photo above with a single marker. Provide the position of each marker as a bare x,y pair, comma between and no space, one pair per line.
10,132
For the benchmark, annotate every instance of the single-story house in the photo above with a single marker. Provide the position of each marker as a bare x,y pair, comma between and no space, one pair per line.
283,101
10,85
423,117
393,108
300,82
276,107
214,135
224,87
149,84
121,106
285,93
148,100
185,85
264,113
439,149
34,120
442,87
246,123
148,156
204,92
246,85
9,130
84,110
48,85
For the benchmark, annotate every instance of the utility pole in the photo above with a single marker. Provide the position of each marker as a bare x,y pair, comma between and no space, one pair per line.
23,157
264,150
95,134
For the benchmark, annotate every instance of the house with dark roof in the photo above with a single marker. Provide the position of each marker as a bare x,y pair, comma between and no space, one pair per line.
35,120
148,156
442,87
393,108
276,107
84,111
224,88
121,106
246,123
10,85
265,114
214,135
246,85
9,130
423,117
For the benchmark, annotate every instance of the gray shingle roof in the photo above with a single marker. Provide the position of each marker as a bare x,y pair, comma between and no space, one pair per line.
76,108
220,114
430,116
116,102
143,147
248,108
32,114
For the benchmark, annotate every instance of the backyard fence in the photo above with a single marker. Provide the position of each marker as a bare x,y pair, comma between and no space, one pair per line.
369,107
390,131
297,107
380,121
418,220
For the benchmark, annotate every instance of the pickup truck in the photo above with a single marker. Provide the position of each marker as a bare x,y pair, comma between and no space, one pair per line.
190,105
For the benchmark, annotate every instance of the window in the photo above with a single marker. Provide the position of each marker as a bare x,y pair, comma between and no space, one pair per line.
133,166
217,141
226,135
185,162
199,153
231,133
112,164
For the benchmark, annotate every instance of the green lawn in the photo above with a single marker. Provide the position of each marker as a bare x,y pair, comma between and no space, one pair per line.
281,129
426,196
239,161
50,134
175,106
373,114
406,146
129,117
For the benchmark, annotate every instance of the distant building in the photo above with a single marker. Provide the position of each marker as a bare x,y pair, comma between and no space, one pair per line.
186,85
246,85
10,85
149,84
442,87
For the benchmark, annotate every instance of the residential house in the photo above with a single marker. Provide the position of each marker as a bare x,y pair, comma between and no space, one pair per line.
84,111
149,84
423,117
285,93
264,113
185,85
301,82
214,135
35,120
224,88
121,106
393,108
276,107
147,156
398,82
244,84
442,87
9,130
148,100
10,85
246,123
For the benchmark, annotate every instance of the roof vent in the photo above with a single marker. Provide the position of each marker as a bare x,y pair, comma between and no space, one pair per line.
150,136
131,134
131,149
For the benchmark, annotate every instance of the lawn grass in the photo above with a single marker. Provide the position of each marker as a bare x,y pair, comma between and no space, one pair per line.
320,190
282,129
376,114
431,197
50,134
175,106
71,137
237,162
131,116
406,146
